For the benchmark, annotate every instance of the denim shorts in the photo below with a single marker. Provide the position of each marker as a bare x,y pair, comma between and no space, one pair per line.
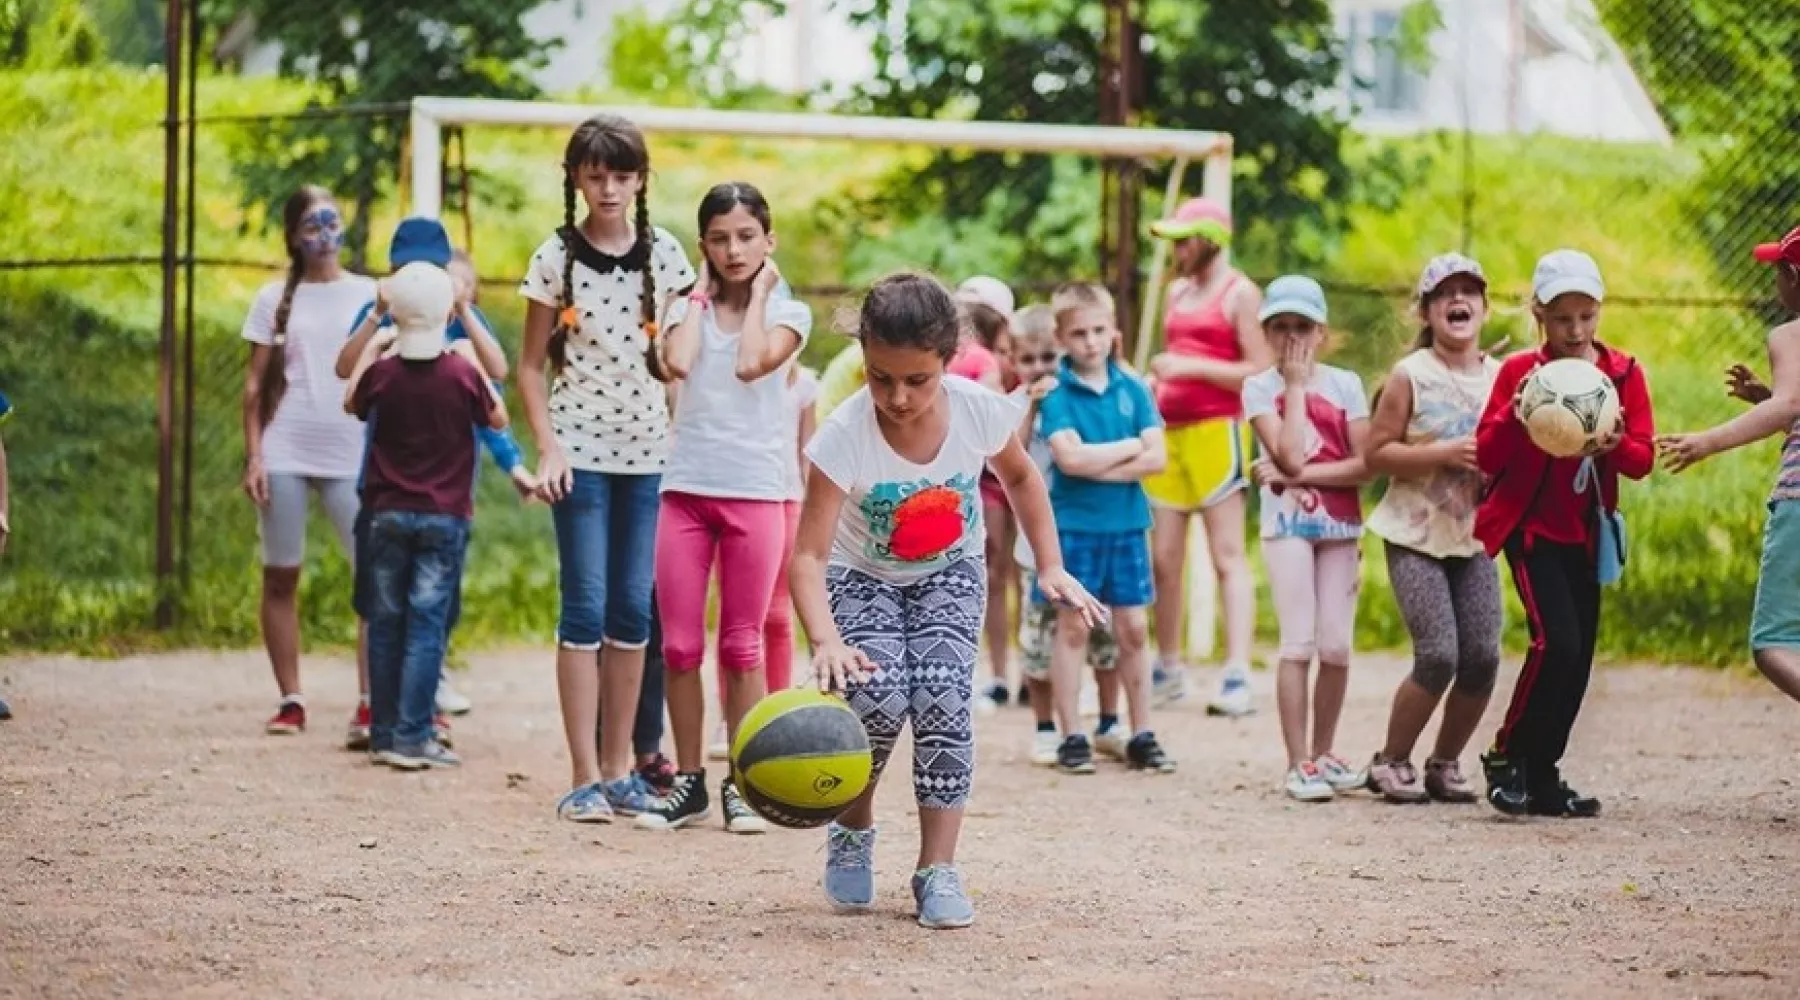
1775,618
1114,566
606,547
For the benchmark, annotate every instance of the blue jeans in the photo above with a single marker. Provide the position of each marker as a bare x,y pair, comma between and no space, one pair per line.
415,569
606,545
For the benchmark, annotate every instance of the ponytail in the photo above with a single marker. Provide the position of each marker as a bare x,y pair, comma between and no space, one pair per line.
646,239
568,318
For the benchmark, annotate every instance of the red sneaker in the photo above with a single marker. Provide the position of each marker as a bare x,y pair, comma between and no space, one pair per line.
289,719
440,727
356,737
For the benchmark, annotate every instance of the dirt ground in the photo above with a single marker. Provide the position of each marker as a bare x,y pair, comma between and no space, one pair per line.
153,843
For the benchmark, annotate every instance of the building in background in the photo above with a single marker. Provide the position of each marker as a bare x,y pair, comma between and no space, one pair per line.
1494,66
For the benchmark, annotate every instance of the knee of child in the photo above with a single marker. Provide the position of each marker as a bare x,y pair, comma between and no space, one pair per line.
281,583
682,654
1072,632
1433,669
1334,656
1299,652
740,648
1477,674
1131,632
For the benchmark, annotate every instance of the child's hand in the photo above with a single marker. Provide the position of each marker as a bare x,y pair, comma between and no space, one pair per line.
553,476
465,289
256,482
1460,454
766,279
1264,472
1162,365
1612,438
1297,362
384,343
1742,383
1041,388
524,482
1067,593
381,301
836,666
1682,450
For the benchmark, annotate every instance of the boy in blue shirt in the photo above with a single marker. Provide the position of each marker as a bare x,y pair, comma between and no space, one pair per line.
1105,436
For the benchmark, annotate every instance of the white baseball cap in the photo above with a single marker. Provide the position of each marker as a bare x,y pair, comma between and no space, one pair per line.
1560,272
991,292
420,297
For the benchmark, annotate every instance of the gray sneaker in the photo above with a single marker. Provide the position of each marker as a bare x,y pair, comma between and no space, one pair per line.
431,753
586,804
943,904
850,867
629,795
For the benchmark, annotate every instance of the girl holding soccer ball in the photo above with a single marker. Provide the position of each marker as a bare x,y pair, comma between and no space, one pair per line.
1548,514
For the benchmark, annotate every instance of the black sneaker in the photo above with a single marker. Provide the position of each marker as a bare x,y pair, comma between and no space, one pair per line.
739,817
1143,753
1024,696
998,694
1075,756
1506,787
686,803
1555,798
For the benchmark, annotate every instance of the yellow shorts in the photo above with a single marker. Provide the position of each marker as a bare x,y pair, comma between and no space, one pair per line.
1208,462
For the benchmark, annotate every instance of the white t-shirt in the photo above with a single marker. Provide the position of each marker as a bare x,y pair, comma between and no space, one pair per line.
1333,399
310,434
609,415
903,521
802,394
729,439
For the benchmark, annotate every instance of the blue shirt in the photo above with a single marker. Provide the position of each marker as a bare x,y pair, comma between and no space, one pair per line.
500,444
1121,411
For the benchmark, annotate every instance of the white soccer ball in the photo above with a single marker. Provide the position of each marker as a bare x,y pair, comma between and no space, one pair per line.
1568,406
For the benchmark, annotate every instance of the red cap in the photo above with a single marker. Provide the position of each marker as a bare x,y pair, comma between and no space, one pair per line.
1788,249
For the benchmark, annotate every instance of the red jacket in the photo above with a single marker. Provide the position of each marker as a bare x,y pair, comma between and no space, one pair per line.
1516,470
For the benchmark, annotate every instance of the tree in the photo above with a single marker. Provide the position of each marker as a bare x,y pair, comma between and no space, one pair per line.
372,52
1725,75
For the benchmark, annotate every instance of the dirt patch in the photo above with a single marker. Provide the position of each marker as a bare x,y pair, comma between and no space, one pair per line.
153,843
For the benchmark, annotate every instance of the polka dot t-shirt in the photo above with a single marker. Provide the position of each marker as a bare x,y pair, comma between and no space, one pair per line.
608,413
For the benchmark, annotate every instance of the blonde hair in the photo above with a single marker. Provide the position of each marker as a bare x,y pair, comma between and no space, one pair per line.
1035,322
1075,295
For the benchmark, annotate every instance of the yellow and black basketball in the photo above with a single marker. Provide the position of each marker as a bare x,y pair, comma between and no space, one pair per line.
801,757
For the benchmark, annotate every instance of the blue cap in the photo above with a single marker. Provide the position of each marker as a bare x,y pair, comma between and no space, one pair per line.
419,239
1293,293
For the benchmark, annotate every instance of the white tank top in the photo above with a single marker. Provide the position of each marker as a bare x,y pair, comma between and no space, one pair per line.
1435,514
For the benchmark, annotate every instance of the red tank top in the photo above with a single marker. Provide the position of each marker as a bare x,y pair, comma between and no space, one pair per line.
1205,332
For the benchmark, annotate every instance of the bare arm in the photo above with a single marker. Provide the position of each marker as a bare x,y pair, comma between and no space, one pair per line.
1289,451
1030,502
763,349
1389,453
554,478
1076,458
371,354
359,337
1148,462
5,499
681,345
812,549
256,480
1771,416
487,348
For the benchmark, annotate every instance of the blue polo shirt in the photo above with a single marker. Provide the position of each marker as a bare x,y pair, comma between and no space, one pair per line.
1122,410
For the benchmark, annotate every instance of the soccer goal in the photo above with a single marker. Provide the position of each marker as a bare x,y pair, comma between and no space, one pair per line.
430,116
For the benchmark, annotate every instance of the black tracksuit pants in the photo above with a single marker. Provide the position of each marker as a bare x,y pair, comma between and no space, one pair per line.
1558,586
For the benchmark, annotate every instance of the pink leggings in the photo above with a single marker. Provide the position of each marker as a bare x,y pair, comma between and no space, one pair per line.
1315,584
746,536
778,624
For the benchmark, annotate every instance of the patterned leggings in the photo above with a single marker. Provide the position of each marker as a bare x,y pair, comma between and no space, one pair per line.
922,639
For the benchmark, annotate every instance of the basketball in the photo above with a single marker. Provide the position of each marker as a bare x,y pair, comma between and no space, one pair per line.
1567,406
800,758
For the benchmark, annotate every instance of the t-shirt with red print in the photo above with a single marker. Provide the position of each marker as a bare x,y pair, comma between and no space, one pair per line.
1333,399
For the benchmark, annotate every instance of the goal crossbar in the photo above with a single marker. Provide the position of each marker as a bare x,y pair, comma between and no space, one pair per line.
431,115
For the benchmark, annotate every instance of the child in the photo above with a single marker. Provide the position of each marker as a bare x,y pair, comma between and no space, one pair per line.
1313,423
1447,587
778,626
297,436
992,333
730,345
1775,617
1036,359
416,484
1212,344
602,427
888,579
1542,511
1104,436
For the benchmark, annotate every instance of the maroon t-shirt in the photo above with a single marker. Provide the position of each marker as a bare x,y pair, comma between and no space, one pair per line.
422,451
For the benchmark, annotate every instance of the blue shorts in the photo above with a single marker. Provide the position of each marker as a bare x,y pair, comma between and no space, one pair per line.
1775,618
1114,566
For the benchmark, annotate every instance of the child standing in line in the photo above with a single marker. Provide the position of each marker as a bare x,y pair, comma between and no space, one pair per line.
1313,423
1104,436
416,484
778,626
297,436
888,576
1447,587
1544,513
596,292
732,341
1775,619
991,329
1036,359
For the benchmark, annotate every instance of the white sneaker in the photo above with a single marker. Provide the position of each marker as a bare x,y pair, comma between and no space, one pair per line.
1339,774
1306,784
1233,699
1043,747
1168,682
721,747
1113,742
451,701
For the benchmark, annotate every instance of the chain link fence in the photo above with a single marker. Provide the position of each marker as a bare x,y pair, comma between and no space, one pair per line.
1370,134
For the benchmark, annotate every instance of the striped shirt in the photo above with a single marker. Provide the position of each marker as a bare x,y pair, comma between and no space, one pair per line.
1787,482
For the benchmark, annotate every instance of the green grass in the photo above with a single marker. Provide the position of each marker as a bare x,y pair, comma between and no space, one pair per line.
78,354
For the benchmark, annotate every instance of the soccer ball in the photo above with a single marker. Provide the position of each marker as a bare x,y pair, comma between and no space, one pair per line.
1568,406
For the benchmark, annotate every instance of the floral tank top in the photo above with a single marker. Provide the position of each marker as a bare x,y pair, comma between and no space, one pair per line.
1787,482
1435,514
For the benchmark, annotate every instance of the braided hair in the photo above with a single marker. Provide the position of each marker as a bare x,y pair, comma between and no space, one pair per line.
616,144
273,384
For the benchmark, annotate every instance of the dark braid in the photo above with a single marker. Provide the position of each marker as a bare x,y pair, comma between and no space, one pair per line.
567,319
646,238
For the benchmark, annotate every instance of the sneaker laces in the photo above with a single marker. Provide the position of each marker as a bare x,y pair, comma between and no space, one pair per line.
849,848
683,790
734,800
942,880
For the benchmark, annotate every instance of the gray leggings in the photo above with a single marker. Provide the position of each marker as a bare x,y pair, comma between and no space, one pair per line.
1452,608
283,522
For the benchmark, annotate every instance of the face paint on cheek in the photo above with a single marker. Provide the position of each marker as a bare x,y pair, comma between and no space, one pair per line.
325,233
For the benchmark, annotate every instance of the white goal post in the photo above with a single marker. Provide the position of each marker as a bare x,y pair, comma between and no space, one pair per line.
430,115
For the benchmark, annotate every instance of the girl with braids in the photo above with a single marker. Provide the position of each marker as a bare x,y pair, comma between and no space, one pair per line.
731,342
296,434
601,420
